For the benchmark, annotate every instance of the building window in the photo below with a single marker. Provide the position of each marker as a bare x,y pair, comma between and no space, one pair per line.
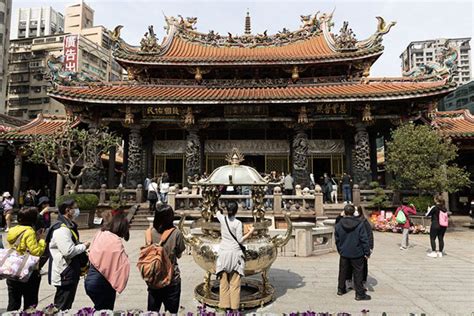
2,17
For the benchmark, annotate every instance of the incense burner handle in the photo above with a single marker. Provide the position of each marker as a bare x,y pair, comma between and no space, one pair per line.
282,240
189,239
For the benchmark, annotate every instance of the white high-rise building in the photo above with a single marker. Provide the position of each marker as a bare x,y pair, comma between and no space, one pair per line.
5,18
420,52
36,22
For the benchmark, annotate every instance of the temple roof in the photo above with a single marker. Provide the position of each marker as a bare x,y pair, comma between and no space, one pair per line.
42,125
312,43
373,90
8,122
455,124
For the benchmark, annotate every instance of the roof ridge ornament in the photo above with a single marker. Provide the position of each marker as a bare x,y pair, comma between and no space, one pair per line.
311,26
235,157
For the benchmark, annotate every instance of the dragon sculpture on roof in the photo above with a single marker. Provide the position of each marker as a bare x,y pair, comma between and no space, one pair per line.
445,66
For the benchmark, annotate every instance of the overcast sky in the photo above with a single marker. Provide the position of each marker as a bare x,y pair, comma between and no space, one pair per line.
416,20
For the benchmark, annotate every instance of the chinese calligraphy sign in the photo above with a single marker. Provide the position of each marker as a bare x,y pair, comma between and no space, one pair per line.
156,111
70,49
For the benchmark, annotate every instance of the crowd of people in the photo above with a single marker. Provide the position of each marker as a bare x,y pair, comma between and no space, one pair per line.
355,242
157,190
105,264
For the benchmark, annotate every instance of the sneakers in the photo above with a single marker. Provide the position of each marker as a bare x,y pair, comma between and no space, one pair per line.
403,248
363,298
432,254
440,254
341,292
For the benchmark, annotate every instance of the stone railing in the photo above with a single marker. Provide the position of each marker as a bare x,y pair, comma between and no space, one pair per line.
363,197
129,196
303,200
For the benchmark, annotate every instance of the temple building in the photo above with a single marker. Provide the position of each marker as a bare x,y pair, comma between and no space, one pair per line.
298,101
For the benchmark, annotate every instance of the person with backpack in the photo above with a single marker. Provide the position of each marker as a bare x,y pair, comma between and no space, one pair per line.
24,239
162,272
110,266
402,216
230,263
439,224
67,255
153,194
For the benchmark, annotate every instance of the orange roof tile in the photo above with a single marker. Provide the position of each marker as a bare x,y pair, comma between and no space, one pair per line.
347,91
183,51
455,124
42,125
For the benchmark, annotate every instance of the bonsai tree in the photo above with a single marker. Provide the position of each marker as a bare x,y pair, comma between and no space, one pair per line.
380,199
71,151
421,159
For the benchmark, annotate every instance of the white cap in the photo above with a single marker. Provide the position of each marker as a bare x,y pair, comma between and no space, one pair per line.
6,194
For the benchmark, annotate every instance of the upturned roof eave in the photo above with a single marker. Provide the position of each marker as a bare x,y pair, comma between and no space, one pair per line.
429,92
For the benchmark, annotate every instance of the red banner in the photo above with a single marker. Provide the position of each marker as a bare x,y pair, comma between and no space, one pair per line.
70,50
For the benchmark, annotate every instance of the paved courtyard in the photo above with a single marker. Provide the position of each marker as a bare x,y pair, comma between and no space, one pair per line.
400,282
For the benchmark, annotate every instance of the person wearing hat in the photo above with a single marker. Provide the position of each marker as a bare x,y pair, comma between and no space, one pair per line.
43,207
7,205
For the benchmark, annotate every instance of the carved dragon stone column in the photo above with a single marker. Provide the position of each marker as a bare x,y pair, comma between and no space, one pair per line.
134,171
193,153
94,177
300,158
361,167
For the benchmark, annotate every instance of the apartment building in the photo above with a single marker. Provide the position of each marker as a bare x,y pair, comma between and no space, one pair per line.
5,19
35,22
27,93
420,52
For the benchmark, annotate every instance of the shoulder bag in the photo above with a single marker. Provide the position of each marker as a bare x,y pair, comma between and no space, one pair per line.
242,247
15,266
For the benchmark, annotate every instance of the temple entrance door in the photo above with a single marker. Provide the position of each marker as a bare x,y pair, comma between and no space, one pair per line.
256,162
320,167
174,167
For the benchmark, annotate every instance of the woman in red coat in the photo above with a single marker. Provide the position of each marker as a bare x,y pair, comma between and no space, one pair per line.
407,210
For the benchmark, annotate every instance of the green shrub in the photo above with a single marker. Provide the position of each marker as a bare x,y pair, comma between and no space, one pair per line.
421,202
84,201
380,199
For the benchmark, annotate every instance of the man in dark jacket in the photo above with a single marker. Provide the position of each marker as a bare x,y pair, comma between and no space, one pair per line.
353,246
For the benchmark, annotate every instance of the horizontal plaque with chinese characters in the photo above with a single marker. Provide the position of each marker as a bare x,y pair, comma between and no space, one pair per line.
165,111
334,109
246,110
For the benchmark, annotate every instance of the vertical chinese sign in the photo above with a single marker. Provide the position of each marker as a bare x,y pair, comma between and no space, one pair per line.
70,49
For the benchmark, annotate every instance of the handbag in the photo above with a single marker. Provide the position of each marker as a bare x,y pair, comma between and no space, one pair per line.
15,266
242,247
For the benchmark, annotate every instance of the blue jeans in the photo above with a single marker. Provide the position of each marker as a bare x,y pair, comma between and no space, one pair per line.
346,192
99,290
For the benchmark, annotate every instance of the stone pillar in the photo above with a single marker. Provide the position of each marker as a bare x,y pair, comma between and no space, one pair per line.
303,239
277,197
318,201
172,197
18,162
300,158
111,171
362,172
59,186
356,195
94,177
193,154
134,171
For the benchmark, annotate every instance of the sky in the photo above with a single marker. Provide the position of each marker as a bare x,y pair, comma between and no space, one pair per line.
416,19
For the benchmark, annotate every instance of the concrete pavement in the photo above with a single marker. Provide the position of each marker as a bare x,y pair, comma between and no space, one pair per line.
400,282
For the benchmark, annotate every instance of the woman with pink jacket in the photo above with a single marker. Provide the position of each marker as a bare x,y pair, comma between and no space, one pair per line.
110,267
407,210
